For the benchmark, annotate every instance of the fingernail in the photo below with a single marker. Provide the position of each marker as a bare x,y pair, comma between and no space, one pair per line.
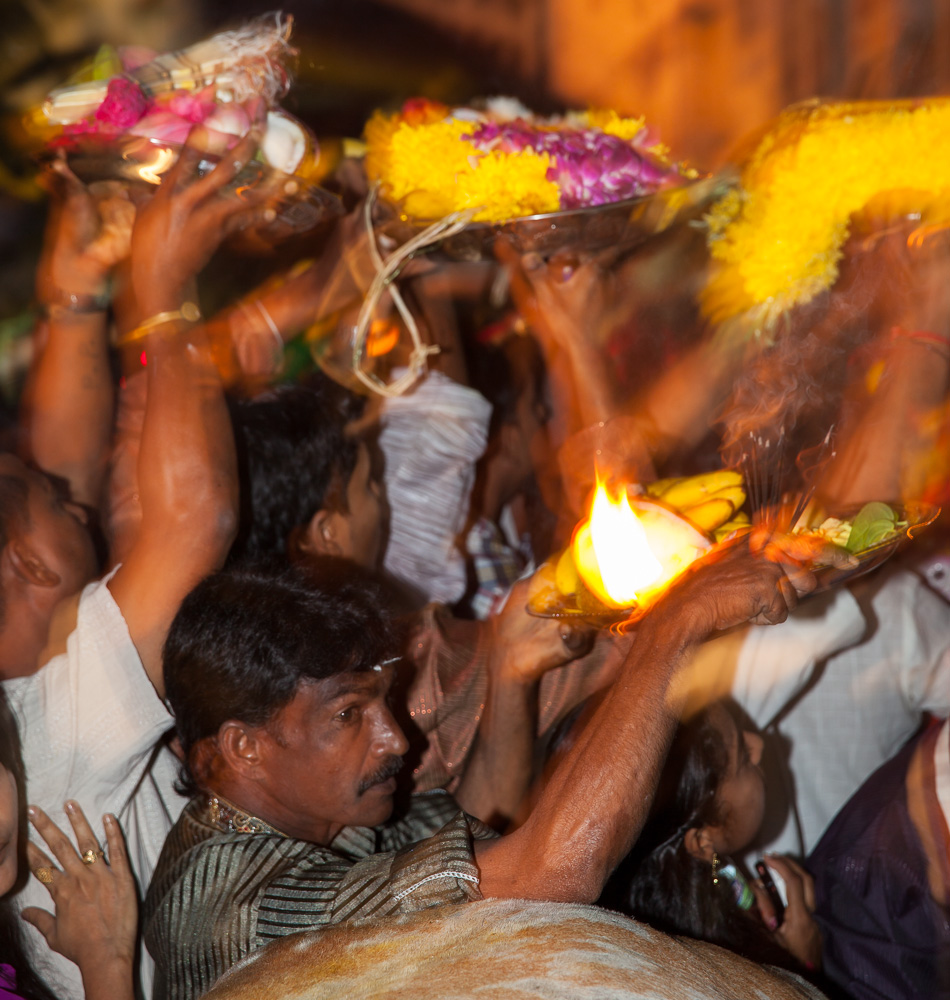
108,819
269,215
31,812
70,806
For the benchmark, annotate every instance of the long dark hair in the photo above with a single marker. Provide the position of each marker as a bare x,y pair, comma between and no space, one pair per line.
661,883
12,946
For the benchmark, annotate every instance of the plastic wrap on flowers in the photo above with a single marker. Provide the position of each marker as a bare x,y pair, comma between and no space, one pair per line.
129,117
778,239
583,181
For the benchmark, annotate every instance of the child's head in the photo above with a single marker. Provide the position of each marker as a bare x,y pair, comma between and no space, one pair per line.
307,485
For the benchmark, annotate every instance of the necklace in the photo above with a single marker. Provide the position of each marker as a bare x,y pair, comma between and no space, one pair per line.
230,818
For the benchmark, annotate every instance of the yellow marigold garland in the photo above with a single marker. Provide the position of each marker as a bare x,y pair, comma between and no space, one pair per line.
778,239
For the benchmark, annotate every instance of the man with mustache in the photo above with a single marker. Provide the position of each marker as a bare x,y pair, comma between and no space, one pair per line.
279,681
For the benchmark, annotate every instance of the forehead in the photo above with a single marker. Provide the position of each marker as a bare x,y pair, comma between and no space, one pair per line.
314,694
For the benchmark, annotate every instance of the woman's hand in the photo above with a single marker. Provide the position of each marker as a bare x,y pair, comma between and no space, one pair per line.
181,226
96,909
88,233
797,933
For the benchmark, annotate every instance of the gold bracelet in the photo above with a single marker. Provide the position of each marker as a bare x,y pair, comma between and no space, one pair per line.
188,312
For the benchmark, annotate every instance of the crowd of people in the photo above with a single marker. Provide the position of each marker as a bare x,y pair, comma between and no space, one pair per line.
264,644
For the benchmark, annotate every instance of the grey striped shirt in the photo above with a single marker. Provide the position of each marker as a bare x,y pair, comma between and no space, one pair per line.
218,894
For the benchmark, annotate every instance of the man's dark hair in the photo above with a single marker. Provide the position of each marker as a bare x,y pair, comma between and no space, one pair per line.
504,372
244,640
294,459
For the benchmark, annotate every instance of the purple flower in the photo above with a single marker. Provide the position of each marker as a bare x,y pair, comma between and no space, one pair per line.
590,167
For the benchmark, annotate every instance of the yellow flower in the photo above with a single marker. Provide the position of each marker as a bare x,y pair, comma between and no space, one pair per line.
432,171
779,241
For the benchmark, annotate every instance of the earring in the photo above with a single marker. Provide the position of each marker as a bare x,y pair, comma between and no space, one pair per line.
715,868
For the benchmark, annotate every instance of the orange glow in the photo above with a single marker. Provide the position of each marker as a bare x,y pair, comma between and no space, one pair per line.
383,337
627,551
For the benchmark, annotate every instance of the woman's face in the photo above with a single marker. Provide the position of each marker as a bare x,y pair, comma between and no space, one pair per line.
741,794
9,824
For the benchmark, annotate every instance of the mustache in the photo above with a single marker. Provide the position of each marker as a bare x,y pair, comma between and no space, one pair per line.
390,769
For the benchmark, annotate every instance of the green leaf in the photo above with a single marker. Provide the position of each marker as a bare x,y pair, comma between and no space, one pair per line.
875,522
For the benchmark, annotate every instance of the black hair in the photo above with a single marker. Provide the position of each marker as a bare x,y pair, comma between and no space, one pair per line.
660,882
245,638
12,946
504,372
14,494
294,459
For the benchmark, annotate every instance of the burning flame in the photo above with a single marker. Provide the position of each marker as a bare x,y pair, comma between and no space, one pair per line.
626,556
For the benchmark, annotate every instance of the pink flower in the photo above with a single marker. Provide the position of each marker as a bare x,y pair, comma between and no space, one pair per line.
164,126
195,107
124,103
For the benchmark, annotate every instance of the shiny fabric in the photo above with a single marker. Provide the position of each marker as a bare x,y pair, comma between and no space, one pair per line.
217,895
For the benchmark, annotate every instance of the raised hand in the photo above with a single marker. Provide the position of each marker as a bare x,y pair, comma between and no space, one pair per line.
181,226
88,233
96,915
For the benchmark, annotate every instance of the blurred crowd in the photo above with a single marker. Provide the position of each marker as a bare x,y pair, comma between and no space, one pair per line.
267,667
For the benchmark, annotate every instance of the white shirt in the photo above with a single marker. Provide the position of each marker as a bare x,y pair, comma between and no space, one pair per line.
431,439
847,706
89,723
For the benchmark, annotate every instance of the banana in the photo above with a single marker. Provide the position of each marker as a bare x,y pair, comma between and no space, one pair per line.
566,576
657,487
710,515
734,494
695,489
739,523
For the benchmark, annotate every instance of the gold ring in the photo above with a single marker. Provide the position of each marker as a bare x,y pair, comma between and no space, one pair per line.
44,874
90,857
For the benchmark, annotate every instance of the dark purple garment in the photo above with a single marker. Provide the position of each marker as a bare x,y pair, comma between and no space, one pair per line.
8,983
885,937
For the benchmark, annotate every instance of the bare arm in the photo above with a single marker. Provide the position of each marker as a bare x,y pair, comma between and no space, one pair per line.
595,802
68,403
187,467
500,771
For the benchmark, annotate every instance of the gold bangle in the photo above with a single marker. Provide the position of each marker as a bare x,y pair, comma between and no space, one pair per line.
188,312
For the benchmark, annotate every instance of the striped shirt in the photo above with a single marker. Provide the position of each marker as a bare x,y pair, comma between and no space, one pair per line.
219,894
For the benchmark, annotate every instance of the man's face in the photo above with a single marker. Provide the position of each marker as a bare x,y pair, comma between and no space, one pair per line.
358,531
330,755
52,529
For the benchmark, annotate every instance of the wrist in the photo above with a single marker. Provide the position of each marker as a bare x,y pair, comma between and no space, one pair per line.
59,302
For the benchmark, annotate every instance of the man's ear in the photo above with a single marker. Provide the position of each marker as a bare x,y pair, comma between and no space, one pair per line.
29,567
318,537
239,747
698,842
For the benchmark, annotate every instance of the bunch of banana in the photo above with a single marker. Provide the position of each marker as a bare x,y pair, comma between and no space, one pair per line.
711,500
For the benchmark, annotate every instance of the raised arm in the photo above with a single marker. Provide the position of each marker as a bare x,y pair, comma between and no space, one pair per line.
594,804
500,771
187,469
68,402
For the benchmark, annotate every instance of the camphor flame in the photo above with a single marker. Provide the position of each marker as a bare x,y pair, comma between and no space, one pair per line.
626,556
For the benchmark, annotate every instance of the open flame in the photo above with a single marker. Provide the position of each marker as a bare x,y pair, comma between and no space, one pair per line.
627,552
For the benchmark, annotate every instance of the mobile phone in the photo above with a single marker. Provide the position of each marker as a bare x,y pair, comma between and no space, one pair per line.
771,889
